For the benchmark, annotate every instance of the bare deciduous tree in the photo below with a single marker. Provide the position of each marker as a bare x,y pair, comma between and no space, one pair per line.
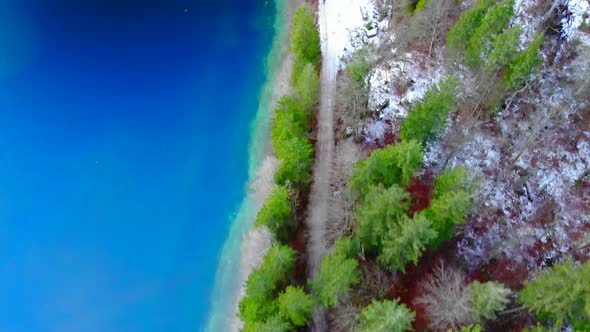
432,22
447,301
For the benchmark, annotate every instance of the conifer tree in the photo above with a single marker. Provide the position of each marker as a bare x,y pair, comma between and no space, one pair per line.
307,87
386,316
337,274
404,243
523,65
358,68
305,39
488,298
276,212
296,156
562,295
295,305
380,209
263,284
503,49
428,118
461,33
492,24
273,324
290,121
394,164
445,212
454,179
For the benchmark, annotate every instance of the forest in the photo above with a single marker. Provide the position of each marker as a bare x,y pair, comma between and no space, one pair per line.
461,176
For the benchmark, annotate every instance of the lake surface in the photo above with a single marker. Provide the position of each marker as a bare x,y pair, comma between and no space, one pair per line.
124,130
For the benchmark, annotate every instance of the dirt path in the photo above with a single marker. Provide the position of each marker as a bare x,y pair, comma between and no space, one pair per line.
335,18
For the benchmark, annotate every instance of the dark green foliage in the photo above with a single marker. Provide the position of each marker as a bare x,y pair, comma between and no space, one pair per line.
452,180
276,212
491,25
337,274
296,157
380,209
258,303
488,298
503,49
305,39
290,121
405,242
359,67
561,295
446,212
264,283
395,164
523,65
273,324
386,316
307,87
295,306
452,200
428,119
348,246
461,33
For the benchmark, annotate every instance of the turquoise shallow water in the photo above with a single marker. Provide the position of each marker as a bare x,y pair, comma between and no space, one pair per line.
228,271
124,155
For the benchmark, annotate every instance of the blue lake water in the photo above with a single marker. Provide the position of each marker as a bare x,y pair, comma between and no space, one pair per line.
124,130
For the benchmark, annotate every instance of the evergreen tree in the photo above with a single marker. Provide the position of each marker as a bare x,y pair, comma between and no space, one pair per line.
380,209
461,33
405,242
428,118
307,87
359,67
273,324
562,295
386,316
394,164
503,49
337,274
523,65
305,39
264,283
276,212
347,246
290,121
488,298
279,262
445,212
296,156
408,156
453,180
492,24
295,305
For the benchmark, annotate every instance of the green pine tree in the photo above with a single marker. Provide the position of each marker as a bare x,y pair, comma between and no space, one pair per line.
386,316
380,209
428,118
276,212
337,273
523,65
561,295
404,243
488,298
305,39
295,305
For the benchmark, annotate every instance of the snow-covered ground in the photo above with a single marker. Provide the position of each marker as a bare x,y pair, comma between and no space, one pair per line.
530,210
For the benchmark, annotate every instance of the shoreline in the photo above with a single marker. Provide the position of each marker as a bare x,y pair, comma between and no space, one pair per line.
244,246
